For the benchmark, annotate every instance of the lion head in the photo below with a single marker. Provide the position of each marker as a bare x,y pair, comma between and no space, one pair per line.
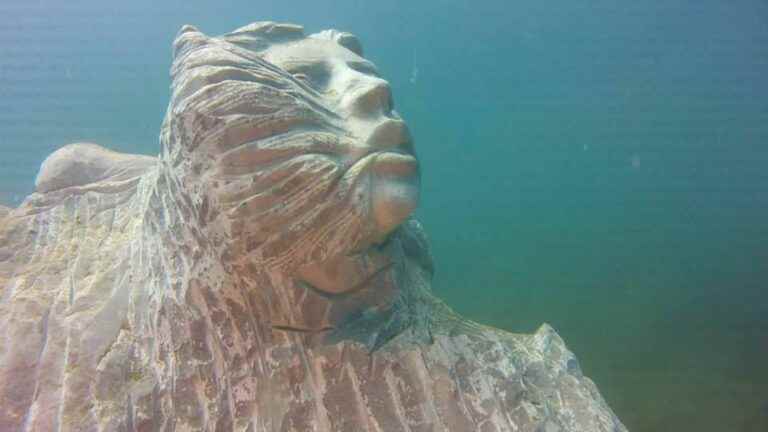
294,144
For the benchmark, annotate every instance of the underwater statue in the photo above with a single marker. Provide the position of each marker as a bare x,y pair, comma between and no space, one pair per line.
263,273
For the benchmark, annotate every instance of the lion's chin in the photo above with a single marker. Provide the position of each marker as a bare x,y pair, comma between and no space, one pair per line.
394,191
387,185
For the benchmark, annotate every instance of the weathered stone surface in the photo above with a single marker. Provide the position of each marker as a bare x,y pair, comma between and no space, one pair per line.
261,274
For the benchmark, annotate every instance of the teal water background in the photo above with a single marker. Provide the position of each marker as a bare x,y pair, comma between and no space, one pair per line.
600,166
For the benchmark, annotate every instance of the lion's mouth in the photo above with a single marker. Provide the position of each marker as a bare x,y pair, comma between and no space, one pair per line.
388,164
395,164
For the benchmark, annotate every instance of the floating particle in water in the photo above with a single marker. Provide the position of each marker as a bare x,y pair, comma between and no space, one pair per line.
414,75
414,69
635,161
585,147
529,36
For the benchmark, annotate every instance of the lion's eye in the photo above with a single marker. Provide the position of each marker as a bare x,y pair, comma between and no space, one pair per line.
314,75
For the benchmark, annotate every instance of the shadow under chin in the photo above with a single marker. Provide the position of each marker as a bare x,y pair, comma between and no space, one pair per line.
345,274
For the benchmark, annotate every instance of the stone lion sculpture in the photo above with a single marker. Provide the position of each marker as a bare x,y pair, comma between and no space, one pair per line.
262,274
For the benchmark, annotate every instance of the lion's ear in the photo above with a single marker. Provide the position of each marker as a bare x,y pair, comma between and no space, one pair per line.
347,40
260,35
270,30
187,38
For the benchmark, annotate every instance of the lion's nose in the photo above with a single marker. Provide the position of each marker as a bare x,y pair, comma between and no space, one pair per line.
372,98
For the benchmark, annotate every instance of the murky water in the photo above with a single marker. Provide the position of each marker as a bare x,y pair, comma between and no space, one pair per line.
599,166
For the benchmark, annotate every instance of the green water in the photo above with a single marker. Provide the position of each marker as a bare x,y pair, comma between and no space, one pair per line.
600,165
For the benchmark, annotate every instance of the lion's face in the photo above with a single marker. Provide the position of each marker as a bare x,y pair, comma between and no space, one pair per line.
295,141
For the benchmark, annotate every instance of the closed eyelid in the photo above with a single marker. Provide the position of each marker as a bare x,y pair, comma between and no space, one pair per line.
314,74
364,67
306,67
